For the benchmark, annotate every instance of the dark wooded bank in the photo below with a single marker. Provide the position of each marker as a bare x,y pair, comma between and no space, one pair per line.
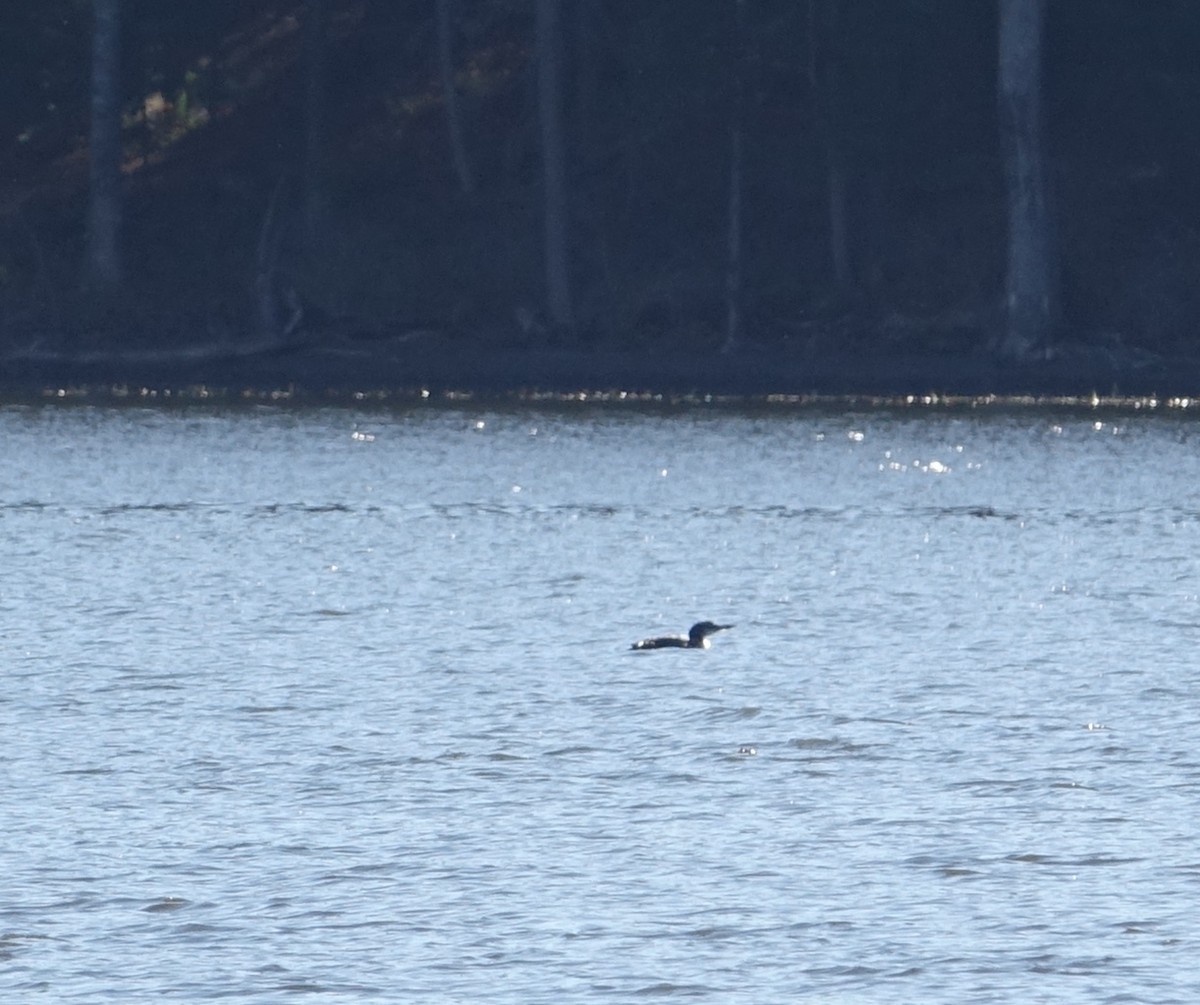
737,194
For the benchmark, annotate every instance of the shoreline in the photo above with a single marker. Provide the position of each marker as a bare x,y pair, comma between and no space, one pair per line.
471,370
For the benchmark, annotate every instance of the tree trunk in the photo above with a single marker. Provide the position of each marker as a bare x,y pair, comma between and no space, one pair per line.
587,39
733,264
1031,287
733,261
824,79
316,32
102,266
554,174
458,146
272,325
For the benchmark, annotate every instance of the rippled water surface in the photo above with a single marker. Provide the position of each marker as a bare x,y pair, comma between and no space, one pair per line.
339,706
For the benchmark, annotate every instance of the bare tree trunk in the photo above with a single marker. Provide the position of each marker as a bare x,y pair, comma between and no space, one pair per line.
554,174
733,263
316,32
1031,287
458,146
824,81
587,39
839,234
102,266
273,327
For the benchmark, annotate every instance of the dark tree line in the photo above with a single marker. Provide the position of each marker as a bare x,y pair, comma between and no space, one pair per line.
1000,176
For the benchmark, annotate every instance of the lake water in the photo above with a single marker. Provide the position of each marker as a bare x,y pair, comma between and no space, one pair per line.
338,705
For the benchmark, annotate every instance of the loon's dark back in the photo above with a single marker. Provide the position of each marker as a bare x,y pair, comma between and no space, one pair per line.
663,642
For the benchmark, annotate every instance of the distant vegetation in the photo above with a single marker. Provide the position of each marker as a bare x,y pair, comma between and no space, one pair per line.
796,176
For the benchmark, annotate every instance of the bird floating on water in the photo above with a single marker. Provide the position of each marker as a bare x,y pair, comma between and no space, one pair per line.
696,638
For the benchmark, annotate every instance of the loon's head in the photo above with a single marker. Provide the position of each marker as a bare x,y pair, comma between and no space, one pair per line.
698,634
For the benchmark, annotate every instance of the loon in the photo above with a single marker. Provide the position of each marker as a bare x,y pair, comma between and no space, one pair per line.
696,638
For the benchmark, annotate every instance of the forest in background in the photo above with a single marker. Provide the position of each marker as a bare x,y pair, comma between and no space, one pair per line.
788,177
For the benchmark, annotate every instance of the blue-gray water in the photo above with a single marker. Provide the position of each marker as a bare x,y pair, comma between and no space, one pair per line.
326,705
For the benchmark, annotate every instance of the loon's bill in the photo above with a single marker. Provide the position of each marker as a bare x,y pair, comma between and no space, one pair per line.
696,638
